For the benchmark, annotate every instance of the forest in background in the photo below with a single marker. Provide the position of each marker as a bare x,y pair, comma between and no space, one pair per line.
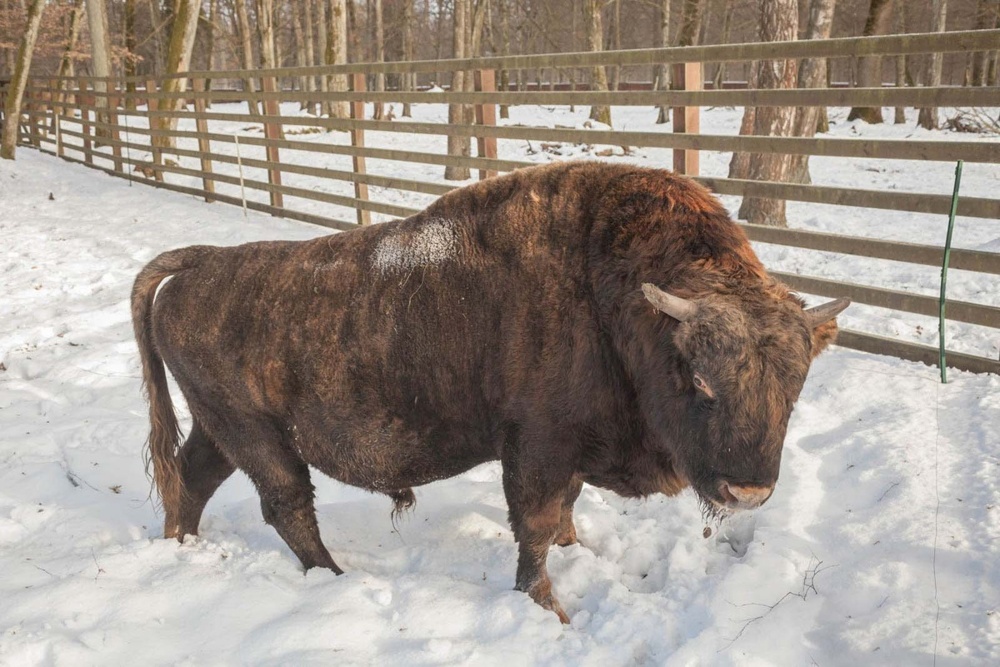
234,34
137,38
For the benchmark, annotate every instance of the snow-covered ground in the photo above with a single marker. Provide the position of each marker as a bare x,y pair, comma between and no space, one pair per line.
881,544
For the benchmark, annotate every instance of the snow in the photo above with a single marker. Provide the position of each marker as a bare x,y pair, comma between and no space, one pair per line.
881,544
434,243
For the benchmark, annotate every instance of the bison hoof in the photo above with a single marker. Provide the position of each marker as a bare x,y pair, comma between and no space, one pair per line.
542,594
566,538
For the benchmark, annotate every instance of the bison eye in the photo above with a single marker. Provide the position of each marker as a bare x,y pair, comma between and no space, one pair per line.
702,386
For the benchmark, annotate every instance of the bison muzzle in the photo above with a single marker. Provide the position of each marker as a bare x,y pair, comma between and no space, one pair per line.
579,322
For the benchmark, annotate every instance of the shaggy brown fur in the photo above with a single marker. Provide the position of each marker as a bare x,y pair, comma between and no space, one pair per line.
504,322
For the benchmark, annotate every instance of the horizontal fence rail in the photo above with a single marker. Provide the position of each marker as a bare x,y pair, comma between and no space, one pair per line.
263,164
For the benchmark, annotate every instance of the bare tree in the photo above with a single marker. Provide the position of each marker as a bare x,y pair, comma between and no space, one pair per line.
879,22
987,16
663,75
299,28
928,117
691,13
778,21
459,146
812,74
408,78
504,77
246,52
19,79
66,67
336,54
595,41
100,50
265,31
378,28
899,116
308,49
182,36
320,46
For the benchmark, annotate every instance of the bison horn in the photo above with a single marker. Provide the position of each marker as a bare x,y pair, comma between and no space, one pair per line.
674,306
817,315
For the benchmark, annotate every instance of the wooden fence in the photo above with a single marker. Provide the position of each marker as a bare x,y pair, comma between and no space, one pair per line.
120,126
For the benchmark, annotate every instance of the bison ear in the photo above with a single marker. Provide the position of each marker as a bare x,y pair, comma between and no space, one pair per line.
822,321
674,306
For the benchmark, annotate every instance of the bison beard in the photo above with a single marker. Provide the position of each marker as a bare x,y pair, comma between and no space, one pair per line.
579,322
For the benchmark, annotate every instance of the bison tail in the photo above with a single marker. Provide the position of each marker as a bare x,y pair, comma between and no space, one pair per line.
164,432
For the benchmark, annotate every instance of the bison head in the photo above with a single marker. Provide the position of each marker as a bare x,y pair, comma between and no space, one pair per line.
738,363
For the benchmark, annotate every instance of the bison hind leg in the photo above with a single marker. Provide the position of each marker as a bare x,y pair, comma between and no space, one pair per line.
402,500
203,469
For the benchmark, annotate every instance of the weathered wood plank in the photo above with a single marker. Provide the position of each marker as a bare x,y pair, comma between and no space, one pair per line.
959,311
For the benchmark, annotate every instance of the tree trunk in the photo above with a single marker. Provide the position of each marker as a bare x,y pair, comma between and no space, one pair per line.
779,21
213,16
928,117
408,79
616,42
323,9
182,36
246,53
336,54
379,39
100,49
879,22
691,13
458,146
505,50
299,28
353,33
157,22
812,74
899,116
720,70
19,79
309,53
265,31
663,76
595,42
987,15
130,56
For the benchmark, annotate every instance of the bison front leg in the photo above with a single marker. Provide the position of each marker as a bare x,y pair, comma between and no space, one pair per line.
534,518
566,535
534,533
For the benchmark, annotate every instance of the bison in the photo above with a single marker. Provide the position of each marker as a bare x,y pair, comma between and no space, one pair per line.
580,322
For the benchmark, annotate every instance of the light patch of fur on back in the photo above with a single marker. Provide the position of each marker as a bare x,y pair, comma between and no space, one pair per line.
435,242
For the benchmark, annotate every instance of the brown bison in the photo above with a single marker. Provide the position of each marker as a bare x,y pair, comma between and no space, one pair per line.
580,322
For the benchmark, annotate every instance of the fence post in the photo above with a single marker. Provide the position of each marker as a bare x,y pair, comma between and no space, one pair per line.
115,135
486,114
198,87
272,131
31,103
54,105
358,85
687,77
154,149
85,126
58,116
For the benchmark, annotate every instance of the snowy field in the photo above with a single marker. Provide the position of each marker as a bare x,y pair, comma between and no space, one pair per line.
881,544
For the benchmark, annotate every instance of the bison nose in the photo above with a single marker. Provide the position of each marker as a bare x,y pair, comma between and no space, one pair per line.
744,497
